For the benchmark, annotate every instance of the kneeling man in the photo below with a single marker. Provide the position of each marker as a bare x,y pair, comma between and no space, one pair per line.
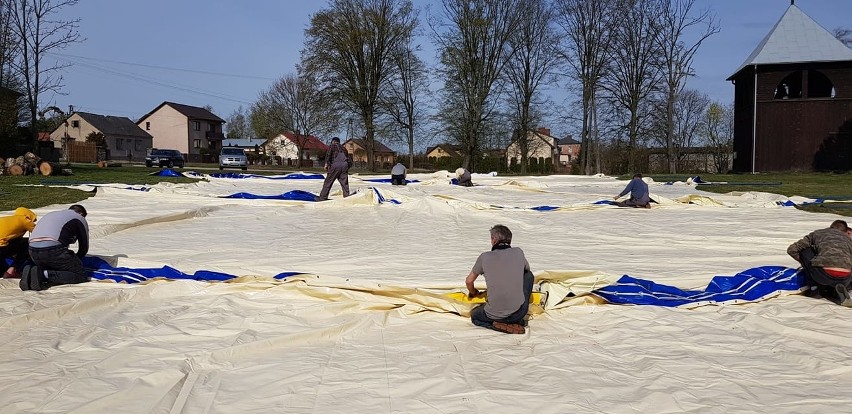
510,281
55,263
826,257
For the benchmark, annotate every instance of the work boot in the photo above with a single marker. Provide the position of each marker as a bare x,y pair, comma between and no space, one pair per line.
843,295
509,328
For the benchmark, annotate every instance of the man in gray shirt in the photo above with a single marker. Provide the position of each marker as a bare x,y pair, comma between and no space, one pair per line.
639,195
337,163
55,263
398,174
510,283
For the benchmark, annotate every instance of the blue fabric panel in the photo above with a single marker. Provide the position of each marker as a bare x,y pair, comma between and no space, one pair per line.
102,270
747,286
606,202
382,198
454,181
388,180
167,172
297,195
545,208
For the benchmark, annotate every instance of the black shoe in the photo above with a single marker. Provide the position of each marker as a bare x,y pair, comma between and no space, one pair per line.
843,295
25,278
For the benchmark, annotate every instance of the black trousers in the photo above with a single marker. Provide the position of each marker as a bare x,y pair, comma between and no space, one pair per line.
62,265
480,318
339,173
398,179
17,249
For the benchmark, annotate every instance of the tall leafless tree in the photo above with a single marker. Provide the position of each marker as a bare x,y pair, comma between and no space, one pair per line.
720,134
350,47
238,124
406,94
634,73
843,34
587,26
533,62
676,19
473,41
40,29
295,103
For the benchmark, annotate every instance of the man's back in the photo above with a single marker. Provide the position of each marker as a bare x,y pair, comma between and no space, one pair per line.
398,169
503,270
61,227
833,248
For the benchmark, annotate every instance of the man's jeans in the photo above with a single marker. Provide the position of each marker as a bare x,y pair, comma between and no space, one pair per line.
62,265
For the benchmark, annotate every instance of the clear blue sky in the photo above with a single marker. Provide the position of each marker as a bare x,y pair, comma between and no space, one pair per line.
257,41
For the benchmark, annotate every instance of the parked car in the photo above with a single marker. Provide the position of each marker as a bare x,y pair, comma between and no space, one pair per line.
165,158
233,157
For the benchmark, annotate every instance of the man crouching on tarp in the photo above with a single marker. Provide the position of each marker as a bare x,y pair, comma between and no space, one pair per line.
639,194
826,256
509,281
55,263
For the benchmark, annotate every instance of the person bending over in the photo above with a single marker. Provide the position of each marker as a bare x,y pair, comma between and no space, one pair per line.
826,257
398,173
639,195
463,177
509,280
55,263
13,244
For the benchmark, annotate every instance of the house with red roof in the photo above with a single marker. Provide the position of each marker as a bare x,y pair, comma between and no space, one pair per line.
288,144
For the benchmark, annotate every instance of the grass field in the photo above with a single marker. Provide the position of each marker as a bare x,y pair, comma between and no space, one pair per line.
28,190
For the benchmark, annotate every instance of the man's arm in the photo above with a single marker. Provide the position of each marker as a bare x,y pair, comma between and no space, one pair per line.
82,238
627,189
468,281
798,246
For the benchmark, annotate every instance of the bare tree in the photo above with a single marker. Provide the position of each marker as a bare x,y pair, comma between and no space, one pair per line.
39,29
844,34
688,126
531,64
403,104
676,18
633,76
587,26
238,124
720,134
473,40
350,48
295,103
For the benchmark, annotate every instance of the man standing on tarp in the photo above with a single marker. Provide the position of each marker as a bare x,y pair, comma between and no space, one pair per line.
826,257
639,194
398,174
507,274
55,263
337,163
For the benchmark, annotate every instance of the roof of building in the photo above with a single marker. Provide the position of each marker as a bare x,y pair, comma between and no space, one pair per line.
378,147
242,142
797,38
6,91
191,112
452,149
568,141
113,125
310,142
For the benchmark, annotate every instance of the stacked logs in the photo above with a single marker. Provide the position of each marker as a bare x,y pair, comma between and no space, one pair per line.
29,164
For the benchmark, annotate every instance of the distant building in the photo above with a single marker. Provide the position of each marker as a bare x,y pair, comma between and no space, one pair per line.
384,157
189,129
540,144
285,146
793,100
123,138
251,145
569,150
444,151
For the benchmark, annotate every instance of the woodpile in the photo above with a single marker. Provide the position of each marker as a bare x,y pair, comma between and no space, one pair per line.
29,164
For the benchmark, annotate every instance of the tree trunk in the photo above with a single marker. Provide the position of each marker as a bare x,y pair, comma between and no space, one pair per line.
49,168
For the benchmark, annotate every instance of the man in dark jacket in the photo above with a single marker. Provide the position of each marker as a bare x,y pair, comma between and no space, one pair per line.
55,263
337,163
826,257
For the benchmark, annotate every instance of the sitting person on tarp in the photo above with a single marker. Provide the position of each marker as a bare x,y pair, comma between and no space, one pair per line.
463,177
13,244
55,263
398,173
639,195
510,281
826,257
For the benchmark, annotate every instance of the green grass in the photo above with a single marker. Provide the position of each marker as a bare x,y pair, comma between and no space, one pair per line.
812,185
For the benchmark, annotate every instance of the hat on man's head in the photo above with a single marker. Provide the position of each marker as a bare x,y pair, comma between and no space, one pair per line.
460,172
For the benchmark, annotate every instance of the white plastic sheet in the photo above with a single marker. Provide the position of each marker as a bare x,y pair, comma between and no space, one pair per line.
356,339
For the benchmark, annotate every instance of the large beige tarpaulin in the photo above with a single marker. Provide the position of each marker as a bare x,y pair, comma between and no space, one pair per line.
369,328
